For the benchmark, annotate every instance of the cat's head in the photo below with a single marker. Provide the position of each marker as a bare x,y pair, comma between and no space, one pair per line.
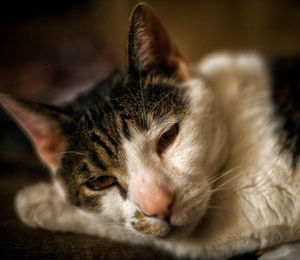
142,149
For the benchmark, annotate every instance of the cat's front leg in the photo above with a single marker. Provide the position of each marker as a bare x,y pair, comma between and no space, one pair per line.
42,206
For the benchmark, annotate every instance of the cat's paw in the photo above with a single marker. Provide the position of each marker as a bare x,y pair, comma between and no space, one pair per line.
37,205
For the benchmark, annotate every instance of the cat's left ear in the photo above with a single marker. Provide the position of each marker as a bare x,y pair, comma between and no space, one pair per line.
43,125
150,49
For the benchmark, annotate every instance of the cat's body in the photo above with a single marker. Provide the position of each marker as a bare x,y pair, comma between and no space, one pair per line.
257,205
203,166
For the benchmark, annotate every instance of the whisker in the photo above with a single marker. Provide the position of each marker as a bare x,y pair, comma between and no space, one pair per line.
224,173
215,178
210,181
70,152
223,185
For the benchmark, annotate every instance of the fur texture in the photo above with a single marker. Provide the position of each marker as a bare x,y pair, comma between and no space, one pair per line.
192,164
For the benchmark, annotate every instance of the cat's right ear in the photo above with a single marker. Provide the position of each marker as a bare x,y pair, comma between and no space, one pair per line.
150,49
42,123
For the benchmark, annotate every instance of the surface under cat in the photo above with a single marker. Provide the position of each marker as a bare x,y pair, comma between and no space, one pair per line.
200,161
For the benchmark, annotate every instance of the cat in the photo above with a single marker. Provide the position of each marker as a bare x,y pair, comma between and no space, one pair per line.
200,161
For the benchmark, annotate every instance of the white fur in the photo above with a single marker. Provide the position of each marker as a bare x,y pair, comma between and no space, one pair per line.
258,206
290,252
228,138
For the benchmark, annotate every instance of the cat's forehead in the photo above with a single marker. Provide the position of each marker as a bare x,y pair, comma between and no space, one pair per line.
152,96
138,101
145,106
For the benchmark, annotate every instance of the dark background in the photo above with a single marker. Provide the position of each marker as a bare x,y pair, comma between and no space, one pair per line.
52,50
48,47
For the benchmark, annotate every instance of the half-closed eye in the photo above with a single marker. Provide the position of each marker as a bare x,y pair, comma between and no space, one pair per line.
101,183
167,138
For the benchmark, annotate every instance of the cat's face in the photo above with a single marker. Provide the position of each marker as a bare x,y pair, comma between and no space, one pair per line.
144,158
144,154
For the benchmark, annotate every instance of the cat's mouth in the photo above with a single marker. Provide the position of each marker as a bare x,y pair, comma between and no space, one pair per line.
163,230
150,226
159,228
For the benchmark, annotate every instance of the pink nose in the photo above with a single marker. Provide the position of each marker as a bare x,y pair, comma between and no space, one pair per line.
154,200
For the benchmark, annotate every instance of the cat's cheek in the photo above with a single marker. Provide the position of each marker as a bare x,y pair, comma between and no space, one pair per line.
192,203
190,216
112,206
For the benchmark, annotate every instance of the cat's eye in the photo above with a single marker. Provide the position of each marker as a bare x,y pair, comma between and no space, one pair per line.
167,138
101,183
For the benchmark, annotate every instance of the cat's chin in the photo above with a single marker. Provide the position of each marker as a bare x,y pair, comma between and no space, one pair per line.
182,226
178,227
168,231
163,230
178,233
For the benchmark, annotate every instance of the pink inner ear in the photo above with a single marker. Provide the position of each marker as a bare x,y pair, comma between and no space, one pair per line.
43,131
48,141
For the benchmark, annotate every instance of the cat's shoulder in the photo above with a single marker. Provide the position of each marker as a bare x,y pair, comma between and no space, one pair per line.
280,69
238,63
253,76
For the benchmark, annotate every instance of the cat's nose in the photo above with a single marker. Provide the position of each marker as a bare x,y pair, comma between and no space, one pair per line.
155,200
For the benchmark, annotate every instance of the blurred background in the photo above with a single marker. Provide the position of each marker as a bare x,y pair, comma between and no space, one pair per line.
52,50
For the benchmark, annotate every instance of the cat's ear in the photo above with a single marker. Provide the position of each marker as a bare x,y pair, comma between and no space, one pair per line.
43,125
150,48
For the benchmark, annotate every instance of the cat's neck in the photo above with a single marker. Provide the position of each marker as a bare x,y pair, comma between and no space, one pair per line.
242,89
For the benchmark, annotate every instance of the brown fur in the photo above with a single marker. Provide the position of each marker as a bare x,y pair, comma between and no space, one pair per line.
144,226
